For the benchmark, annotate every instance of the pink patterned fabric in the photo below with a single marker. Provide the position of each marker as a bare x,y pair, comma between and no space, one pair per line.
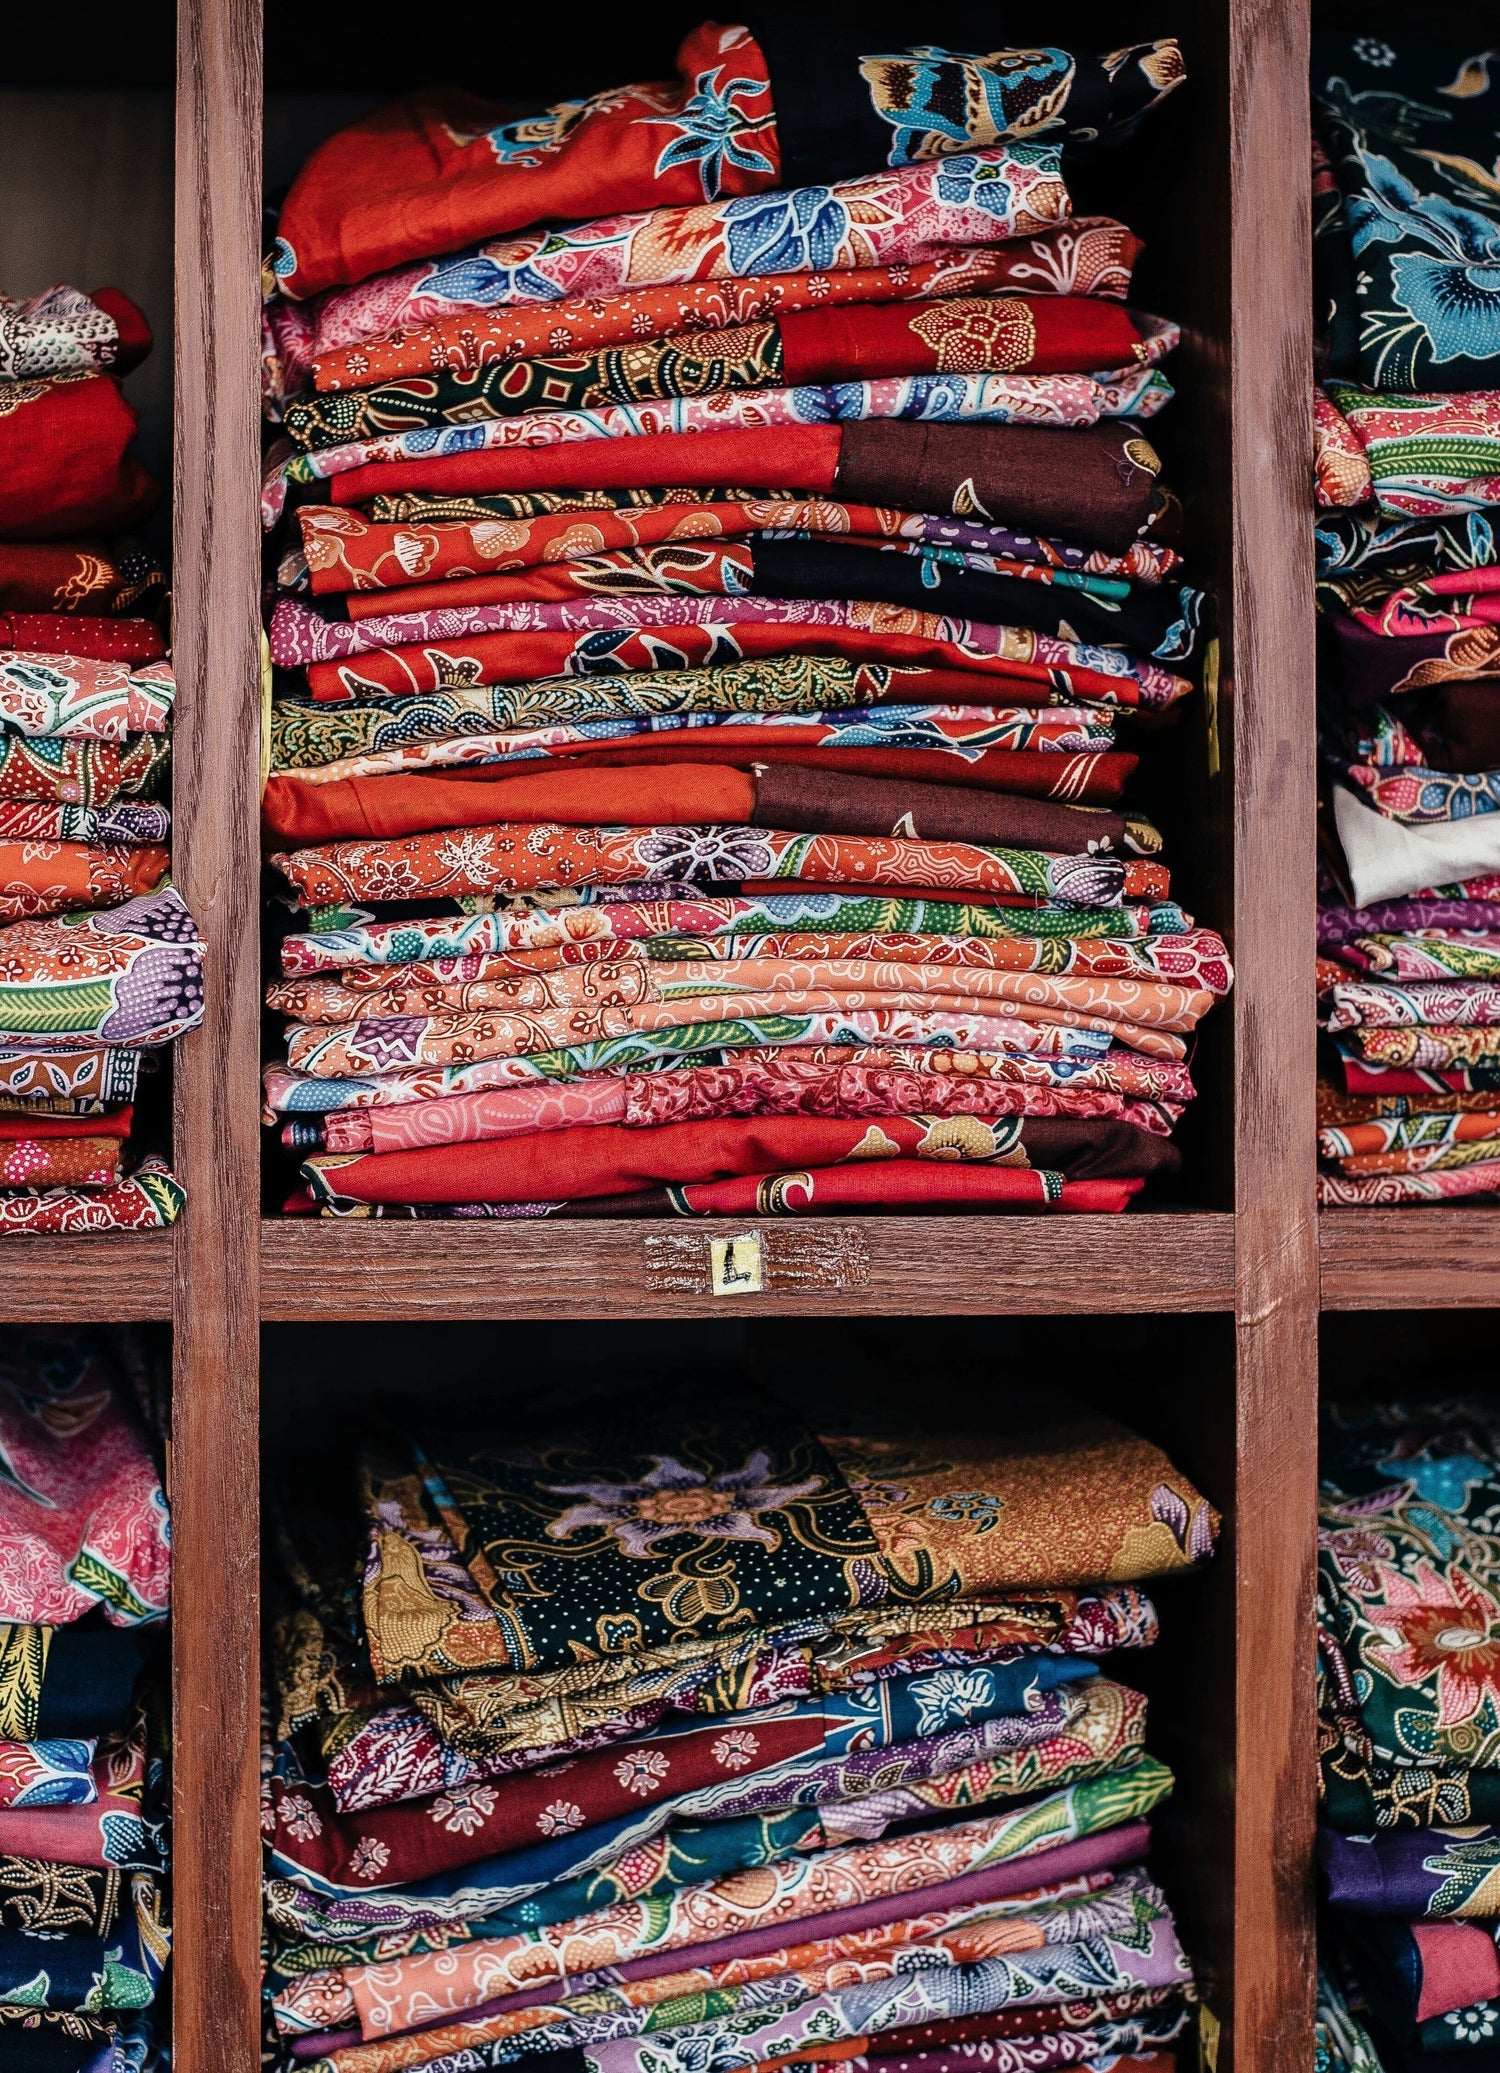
83,1521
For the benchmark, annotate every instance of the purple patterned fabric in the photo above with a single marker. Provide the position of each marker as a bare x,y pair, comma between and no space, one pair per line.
1339,925
1431,1872
300,636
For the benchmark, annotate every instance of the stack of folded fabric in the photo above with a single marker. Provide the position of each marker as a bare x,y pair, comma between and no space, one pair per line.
714,615
1408,226
676,1746
1409,1716
84,1567
99,960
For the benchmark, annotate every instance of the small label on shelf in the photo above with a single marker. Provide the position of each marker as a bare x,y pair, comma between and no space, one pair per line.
734,1265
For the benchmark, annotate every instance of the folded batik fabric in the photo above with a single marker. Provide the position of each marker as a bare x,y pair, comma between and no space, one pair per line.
148,1199
743,1993
676,1766
1055,400
747,111
53,1773
131,975
1428,455
1077,1504
95,1078
1157,620
53,768
620,639
84,1518
78,576
693,1093
394,1754
1090,256
1095,484
608,1160
65,458
1012,334
63,331
423,540
1404,1729
1412,149
558,921
77,633
1428,1872
702,795
68,1683
83,697
828,1891
69,1162
504,859
41,878
34,821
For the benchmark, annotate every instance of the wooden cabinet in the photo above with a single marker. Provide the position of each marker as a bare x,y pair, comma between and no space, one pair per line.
1206,1308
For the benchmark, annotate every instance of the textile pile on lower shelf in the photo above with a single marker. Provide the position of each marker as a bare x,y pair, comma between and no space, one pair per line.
716,621
671,1747
84,1578
1409,1725
100,964
1407,226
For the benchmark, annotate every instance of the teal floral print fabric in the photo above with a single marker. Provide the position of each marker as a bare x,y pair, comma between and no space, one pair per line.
1413,133
1409,1616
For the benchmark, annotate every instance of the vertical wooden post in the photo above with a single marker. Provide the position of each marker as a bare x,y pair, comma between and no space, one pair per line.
216,1299
1276,1265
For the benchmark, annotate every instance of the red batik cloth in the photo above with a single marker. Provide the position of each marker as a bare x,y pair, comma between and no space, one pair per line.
1095,483
65,459
149,1200
739,1087
70,633
60,1162
433,171
75,576
113,1124
608,1159
1091,256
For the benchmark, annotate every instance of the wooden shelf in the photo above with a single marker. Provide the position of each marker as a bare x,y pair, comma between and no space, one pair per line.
1409,1259
114,1277
916,1266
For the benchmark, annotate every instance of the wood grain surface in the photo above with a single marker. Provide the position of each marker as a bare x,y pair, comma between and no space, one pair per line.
1400,1259
1270,698
215,1488
116,1277
919,1266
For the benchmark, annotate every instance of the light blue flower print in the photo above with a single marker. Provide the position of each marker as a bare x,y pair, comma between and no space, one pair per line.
1451,291
714,129
799,230
973,182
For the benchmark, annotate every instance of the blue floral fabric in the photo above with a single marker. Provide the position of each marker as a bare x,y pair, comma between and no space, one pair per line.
1413,130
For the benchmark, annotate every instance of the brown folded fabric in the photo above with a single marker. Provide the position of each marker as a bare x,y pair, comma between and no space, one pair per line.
1093,482
1469,718
824,802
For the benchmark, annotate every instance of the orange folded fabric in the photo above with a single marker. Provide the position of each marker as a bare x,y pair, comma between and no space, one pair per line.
60,877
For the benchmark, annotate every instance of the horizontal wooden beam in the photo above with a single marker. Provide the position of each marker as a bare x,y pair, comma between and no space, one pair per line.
1409,1259
890,1266
105,1277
